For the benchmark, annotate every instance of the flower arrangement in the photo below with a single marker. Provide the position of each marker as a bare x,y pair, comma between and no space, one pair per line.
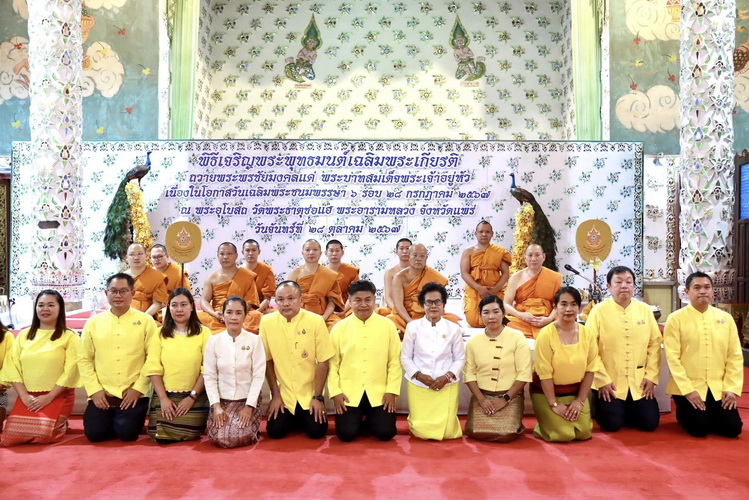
523,232
138,217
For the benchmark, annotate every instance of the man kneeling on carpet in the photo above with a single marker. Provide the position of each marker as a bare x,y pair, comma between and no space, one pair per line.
365,370
297,349
233,369
42,367
111,356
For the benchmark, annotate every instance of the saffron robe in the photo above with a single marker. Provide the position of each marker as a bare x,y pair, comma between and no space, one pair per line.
535,296
485,267
243,285
317,288
411,298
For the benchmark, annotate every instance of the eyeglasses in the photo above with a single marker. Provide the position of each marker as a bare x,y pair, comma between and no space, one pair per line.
430,303
123,291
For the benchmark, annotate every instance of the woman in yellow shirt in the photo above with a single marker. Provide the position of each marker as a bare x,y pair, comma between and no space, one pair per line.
498,365
179,405
42,367
6,341
566,361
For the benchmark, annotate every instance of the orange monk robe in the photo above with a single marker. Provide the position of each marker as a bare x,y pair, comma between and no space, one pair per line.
150,285
347,274
317,288
535,296
411,298
174,278
265,281
243,285
485,267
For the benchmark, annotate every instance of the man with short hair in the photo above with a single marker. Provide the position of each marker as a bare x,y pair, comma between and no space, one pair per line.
111,355
175,278
529,298
707,367
629,343
365,371
265,279
320,291
408,283
150,285
485,268
226,282
402,247
347,273
297,351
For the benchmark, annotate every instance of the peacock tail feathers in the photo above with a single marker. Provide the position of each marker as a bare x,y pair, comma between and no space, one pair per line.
117,233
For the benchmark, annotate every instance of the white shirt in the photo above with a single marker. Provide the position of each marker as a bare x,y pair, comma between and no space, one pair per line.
432,350
234,368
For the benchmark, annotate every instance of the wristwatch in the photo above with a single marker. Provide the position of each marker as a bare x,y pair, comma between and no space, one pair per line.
319,398
506,397
193,394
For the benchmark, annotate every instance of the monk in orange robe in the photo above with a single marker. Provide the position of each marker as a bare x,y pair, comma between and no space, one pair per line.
485,267
347,273
529,298
406,287
402,247
228,281
175,278
150,285
265,279
320,291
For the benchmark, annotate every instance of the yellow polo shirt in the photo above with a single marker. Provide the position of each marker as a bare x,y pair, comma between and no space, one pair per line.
565,364
495,364
367,358
629,343
295,347
5,345
113,351
178,359
703,352
41,364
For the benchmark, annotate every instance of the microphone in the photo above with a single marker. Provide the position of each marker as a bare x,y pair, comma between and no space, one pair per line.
571,269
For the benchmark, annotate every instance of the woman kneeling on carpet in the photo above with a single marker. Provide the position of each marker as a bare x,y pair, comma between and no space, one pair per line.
42,366
179,406
234,369
566,361
498,365
432,356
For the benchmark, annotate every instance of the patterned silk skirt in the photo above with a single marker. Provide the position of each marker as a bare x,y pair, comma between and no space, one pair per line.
231,435
188,427
46,426
504,426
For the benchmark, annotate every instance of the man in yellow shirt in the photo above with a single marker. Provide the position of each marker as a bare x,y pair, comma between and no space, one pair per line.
629,343
297,351
111,356
365,371
704,355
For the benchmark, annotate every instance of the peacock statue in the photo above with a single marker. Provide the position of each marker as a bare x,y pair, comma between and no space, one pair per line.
541,231
118,233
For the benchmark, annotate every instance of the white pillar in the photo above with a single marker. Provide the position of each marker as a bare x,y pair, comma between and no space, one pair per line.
56,116
706,171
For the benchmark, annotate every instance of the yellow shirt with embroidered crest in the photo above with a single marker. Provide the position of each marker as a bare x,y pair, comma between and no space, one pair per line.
41,364
367,358
495,364
178,359
703,352
113,350
295,347
629,344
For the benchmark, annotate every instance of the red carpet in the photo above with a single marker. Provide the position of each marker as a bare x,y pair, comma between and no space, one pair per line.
631,464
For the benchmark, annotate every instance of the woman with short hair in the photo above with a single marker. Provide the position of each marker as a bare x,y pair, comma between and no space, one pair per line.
42,367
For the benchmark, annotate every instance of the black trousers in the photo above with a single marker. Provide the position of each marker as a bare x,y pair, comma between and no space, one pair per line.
714,419
642,414
126,425
379,422
301,419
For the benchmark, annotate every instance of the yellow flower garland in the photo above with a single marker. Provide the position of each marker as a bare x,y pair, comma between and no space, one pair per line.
141,226
523,231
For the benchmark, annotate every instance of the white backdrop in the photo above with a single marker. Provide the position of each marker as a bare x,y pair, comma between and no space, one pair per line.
284,192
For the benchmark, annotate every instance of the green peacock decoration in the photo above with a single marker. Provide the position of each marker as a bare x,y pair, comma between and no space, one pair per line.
542,232
118,233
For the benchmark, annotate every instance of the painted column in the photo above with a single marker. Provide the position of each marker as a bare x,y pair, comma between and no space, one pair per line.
706,170
56,116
